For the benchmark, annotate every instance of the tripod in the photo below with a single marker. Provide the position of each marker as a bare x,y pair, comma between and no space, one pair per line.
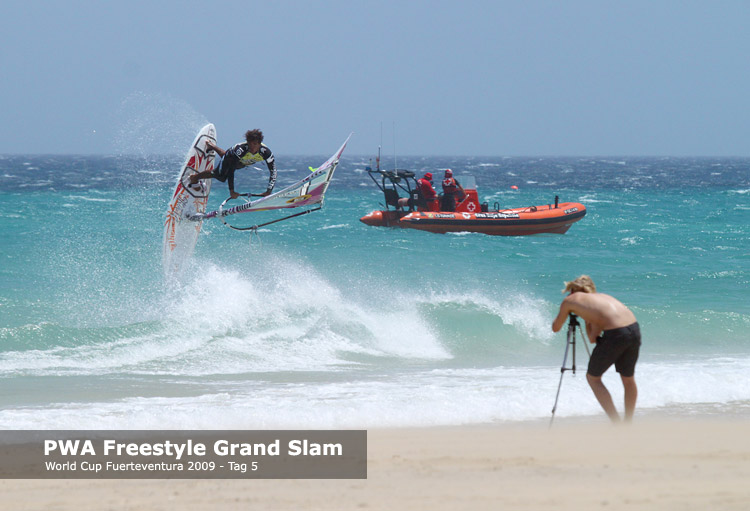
570,345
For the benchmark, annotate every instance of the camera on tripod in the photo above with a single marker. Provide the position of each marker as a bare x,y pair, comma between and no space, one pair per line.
570,345
573,321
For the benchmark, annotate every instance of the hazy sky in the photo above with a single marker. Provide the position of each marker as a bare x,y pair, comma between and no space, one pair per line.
484,78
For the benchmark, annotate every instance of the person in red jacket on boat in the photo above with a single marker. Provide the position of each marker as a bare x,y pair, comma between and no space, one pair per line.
451,188
424,188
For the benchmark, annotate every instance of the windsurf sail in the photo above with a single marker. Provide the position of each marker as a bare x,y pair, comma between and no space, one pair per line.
308,192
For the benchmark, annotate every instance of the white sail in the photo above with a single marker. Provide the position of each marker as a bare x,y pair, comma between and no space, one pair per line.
309,191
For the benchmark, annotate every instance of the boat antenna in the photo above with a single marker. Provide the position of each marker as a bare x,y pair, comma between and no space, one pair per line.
395,162
381,145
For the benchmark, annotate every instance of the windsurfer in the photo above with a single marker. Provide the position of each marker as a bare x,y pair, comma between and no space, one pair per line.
238,156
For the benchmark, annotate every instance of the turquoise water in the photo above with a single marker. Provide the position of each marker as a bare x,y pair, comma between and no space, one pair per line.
322,321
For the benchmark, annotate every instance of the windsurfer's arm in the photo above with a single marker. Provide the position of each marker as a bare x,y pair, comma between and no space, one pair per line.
271,162
210,145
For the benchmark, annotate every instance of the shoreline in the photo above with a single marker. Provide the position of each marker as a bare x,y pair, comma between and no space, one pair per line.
658,462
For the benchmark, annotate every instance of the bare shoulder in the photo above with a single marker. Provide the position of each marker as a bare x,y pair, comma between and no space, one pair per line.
578,298
610,312
588,305
605,298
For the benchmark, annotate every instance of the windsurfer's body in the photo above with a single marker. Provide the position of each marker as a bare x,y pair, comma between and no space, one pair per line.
239,156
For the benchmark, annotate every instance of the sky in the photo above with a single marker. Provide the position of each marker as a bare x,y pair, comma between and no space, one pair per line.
433,78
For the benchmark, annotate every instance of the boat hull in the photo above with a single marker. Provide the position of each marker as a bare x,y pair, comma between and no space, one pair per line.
508,222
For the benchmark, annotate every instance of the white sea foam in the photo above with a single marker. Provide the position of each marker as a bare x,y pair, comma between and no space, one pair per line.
336,226
90,199
227,322
420,398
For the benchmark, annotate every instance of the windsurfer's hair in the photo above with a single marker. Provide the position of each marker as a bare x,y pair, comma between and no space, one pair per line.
254,136
582,283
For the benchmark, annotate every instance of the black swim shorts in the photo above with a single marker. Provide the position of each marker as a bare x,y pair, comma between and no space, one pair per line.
618,346
224,167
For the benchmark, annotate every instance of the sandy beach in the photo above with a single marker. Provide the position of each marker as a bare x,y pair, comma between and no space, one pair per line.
660,464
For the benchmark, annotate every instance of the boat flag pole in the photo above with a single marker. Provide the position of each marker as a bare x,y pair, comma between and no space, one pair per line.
395,161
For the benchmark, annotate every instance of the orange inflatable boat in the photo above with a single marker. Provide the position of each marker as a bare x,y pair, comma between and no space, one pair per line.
470,215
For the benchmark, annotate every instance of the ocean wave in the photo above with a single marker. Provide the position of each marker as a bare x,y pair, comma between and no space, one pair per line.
227,322
433,397
283,317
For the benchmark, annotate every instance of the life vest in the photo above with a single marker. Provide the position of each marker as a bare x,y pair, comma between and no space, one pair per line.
450,185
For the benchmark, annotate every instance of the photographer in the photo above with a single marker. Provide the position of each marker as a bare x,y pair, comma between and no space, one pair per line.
614,329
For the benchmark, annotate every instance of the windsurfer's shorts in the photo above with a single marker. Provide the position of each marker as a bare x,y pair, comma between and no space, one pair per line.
619,346
222,168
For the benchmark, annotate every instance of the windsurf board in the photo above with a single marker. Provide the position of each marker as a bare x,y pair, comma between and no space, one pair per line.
181,234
